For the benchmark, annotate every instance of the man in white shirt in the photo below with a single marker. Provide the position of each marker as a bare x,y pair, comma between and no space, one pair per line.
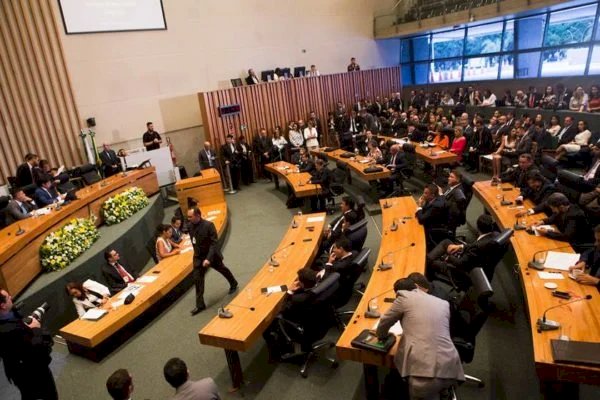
313,71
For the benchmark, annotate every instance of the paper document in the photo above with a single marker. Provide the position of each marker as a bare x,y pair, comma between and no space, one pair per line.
365,161
274,289
549,228
94,314
186,250
560,261
60,170
315,219
132,288
396,329
146,279
550,275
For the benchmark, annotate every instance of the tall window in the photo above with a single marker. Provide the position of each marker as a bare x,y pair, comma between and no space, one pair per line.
552,43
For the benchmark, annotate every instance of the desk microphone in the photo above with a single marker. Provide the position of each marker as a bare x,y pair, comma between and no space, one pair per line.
386,204
374,313
272,261
224,313
540,266
385,266
544,324
294,223
518,226
20,231
504,202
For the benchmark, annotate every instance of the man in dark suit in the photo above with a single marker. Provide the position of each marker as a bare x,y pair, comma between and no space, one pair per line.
44,195
339,260
177,374
246,161
19,207
586,182
395,161
533,98
110,161
568,132
321,176
447,256
481,143
570,221
590,261
24,175
518,176
262,145
353,66
563,97
456,200
432,213
207,157
206,255
538,190
252,79
232,159
306,164
117,277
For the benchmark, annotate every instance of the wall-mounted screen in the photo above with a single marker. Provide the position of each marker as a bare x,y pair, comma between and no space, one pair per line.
93,16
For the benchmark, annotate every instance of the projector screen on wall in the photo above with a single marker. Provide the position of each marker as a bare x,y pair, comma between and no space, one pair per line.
90,16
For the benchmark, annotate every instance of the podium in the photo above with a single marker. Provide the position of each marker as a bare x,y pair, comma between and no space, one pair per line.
205,189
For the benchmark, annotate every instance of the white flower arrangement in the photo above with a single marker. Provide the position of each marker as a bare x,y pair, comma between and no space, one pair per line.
63,246
123,205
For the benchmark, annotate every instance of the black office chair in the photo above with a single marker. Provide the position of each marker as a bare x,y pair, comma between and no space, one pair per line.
467,321
502,242
4,200
308,331
357,234
87,173
349,287
336,186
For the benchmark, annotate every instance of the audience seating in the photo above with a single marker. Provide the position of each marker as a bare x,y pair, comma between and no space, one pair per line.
346,291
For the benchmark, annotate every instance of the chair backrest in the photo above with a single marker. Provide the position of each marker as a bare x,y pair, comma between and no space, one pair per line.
351,275
357,234
501,241
362,258
357,226
324,291
503,238
467,188
482,289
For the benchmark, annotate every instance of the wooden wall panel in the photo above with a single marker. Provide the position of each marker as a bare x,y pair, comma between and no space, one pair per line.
37,109
270,104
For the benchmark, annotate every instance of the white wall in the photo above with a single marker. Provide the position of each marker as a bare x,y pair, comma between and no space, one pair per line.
125,79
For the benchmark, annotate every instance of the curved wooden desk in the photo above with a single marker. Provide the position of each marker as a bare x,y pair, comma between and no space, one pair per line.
354,164
395,248
87,337
431,155
19,255
242,331
582,318
298,181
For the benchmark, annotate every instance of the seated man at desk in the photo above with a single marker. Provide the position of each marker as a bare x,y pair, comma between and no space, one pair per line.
590,261
518,176
116,276
306,164
538,190
321,176
44,195
339,260
19,207
570,221
426,356
432,213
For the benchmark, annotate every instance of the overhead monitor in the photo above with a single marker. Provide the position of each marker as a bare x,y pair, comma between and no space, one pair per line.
94,16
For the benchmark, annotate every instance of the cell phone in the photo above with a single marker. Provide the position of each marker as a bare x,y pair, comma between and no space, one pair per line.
562,295
307,240
156,272
507,189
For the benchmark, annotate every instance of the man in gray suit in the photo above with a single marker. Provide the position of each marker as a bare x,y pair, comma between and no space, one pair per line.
426,355
177,374
20,207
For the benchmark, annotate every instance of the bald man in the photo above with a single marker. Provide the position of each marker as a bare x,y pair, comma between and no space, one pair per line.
110,162
207,158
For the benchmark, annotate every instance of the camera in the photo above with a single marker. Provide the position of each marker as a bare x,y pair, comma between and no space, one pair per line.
37,314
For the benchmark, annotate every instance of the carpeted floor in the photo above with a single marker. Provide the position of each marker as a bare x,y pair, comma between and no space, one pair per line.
258,218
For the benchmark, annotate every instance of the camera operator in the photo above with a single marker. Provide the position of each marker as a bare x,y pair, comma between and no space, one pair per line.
25,350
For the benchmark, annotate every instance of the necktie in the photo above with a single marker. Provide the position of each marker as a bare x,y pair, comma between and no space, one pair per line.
23,209
210,160
127,278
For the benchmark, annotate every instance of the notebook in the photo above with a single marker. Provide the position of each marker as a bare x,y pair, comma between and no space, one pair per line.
574,352
369,341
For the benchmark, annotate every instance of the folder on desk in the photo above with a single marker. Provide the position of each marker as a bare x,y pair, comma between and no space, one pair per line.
367,340
574,352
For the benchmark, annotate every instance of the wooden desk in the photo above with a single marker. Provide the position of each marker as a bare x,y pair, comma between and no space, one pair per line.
242,331
206,189
405,261
430,155
86,337
298,181
19,255
582,319
354,164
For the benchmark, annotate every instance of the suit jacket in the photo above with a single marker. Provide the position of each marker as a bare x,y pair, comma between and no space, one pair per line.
205,241
262,145
43,197
426,349
233,157
475,253
24,175
308,166
109,158
322,177
524,144
14,212
457,207
573,227
568,135
343,267
204,161
539,197
517,176
482,141
113,280
204,389
250,81
434,214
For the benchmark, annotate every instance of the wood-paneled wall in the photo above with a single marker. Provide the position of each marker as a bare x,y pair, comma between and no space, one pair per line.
37,108
269,104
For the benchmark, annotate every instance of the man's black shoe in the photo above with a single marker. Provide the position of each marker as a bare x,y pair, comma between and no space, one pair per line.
197,310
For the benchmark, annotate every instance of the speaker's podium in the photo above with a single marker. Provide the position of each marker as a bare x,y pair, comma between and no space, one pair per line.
205,190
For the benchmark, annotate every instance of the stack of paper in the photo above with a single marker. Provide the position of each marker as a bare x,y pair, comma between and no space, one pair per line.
146,279
94,314
560,261
396,329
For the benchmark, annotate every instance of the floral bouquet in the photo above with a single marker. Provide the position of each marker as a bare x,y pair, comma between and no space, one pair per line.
66,244
123,205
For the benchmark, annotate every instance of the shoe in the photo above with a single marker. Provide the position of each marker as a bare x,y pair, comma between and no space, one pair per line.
233,289
197,310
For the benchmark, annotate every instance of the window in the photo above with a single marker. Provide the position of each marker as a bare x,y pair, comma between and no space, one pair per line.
406,72
530,32
527,65
421,73
447,44
595,61
570,26
446,71
507,67
565,61
484,39
420,46
404,51
481,68
509,36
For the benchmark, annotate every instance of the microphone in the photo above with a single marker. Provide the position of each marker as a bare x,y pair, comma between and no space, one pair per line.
374,313
224,313
20,231
518,226
540,265
386,204
385,266
272,261
544,324
294,223
504,202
